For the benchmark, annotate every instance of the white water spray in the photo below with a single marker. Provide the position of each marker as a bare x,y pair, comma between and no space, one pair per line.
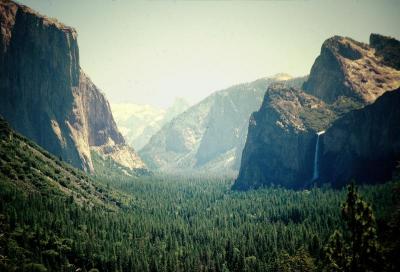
316,157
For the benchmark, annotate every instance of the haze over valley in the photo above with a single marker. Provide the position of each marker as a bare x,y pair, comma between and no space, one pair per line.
232,145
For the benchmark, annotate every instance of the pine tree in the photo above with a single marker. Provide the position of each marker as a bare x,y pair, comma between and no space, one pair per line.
357,249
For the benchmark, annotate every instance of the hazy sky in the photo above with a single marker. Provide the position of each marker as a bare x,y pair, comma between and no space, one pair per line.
152,52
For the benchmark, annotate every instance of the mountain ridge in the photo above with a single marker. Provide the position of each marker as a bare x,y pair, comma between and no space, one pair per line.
282,143
197,139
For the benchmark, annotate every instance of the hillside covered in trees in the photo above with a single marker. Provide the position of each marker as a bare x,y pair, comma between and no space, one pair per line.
170,223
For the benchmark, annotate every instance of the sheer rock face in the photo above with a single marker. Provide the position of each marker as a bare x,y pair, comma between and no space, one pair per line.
355,70
345,78
101,126
364,144
279,147
45,95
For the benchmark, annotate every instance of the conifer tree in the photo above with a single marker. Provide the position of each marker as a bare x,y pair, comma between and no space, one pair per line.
357,249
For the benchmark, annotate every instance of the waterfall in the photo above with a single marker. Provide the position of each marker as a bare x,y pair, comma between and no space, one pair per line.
316,157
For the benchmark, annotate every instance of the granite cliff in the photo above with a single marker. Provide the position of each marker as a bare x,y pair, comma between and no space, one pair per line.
281,137
364,144
282,143
45,94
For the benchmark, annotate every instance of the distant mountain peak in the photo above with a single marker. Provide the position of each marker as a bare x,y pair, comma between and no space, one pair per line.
210,135
139,123
179,101
281,77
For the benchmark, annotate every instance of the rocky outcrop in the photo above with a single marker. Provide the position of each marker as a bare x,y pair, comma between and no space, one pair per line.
283,144
386,48
45,95
281,136
347,68
123,154
210,135
364,144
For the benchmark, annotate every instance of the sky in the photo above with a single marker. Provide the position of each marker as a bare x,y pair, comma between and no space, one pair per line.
150,52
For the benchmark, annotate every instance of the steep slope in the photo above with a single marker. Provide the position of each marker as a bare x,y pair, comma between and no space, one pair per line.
281,137
45,95
347,75
347,68
209,135
364,144
47,207
139,122
26,167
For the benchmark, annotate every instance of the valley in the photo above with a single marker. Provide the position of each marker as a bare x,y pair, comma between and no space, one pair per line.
277,173
179,224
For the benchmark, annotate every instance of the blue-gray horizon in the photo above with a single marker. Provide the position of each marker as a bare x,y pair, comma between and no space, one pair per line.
151,52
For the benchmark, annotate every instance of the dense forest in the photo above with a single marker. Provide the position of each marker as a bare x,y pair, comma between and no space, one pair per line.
56,218
183,224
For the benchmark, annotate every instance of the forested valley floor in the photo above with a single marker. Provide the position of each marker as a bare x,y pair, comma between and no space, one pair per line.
178,224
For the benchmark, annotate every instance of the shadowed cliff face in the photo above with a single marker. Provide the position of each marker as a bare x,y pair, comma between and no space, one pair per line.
281,137
45,96
39,70
364,144
347,76
347,68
